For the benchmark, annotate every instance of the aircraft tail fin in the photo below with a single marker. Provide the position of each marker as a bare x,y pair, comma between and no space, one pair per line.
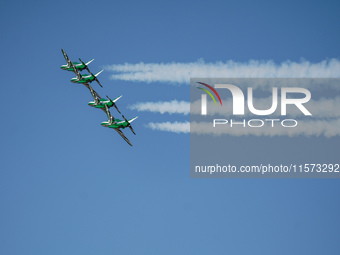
89,62
115,100
132,119
98,73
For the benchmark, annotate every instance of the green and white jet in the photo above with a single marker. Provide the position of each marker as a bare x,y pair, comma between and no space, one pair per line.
102,102
78,66
86,78
99,102
118,124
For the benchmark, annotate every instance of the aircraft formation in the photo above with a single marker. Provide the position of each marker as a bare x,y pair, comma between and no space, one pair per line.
98,102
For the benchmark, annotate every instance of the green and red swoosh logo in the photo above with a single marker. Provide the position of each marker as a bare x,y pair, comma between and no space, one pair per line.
209,93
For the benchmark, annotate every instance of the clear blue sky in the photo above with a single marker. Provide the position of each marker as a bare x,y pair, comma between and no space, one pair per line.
70,186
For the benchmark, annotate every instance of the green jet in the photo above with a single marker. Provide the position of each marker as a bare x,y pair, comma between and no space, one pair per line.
118,124
98,102
78,66
104,105
87,78
102,102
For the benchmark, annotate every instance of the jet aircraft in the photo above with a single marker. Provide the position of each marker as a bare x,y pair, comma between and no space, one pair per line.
118,124
87,78
98,102
78,66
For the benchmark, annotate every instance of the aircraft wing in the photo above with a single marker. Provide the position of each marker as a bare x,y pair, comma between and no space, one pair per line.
66,58
123,136
94,94
109,115
76,71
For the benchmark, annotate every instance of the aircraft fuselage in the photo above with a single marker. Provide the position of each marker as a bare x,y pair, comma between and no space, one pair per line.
101,104
115,125
84,79
78,66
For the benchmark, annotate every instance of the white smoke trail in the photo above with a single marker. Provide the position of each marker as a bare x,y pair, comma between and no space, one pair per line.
180,107
181,72
325,123
175,127
322,108
305,128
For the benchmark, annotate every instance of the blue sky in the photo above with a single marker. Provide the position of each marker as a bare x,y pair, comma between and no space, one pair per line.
70,186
